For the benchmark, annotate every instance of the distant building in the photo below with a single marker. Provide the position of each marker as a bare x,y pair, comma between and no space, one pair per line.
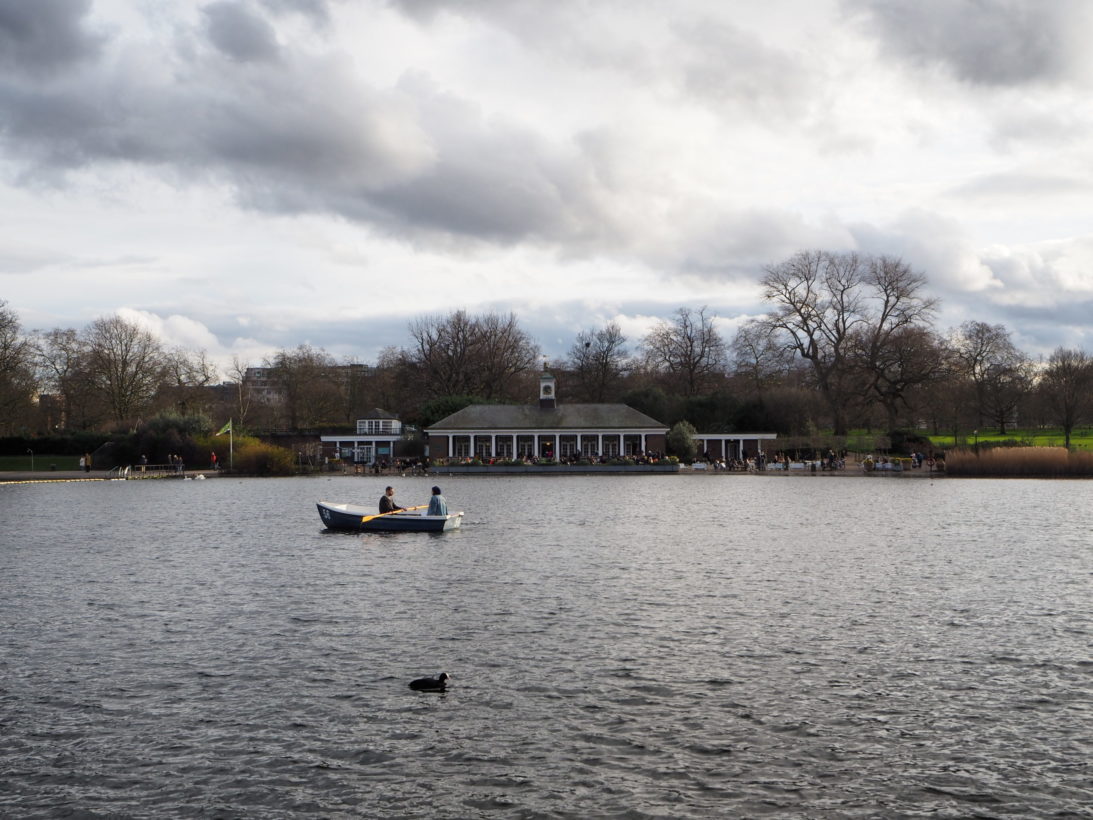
377,434
732,445
548,430
265,385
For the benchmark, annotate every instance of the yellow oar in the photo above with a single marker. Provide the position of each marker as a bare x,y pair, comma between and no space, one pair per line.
393,512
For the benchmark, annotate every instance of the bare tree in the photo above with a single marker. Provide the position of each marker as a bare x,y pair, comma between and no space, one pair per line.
689,350
999,373
187,377
443,351
504,352
758,357
312,386
896,349
1067,384
817,299
460,354
243,393
844,314
908,359
127,365
598,362
17,377
64,367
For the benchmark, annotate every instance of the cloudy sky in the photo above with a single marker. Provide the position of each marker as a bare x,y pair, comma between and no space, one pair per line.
248,175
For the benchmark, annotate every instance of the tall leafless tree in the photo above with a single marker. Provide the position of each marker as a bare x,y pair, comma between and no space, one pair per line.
311,384
758,357
460,354
244,396
688,350
817,298
598,360
1000,375
17,374
127,365
896,349
842,313
1067,384
64,366
187,377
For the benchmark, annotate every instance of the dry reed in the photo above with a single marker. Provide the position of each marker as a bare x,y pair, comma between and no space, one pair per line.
1018,462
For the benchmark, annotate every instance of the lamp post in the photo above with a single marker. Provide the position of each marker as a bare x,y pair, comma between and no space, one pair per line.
976,434
31,459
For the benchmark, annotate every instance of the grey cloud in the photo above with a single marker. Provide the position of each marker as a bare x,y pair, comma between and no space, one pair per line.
417,162
1038,329
724,64
44,36
735,246
317,10
1021,186
997,43
239,33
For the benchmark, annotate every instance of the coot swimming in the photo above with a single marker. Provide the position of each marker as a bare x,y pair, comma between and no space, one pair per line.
436,684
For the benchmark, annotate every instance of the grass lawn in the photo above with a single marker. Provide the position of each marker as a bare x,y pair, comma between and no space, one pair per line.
41,463
1081,438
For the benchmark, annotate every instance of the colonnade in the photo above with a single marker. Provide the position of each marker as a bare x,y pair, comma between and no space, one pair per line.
543,443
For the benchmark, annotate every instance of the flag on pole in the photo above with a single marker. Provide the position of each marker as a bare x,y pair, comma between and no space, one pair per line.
227,428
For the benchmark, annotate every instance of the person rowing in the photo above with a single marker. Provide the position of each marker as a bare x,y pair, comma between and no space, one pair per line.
387,502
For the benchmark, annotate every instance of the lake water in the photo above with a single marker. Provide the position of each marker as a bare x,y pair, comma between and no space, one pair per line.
647,646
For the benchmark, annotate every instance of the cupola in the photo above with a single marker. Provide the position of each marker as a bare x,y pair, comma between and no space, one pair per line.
547,398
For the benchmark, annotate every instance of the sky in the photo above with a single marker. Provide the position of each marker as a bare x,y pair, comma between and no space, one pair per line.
244,176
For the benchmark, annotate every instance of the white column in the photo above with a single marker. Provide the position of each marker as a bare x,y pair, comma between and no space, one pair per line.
493,445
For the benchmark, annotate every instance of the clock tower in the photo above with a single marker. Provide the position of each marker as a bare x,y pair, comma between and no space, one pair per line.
547,399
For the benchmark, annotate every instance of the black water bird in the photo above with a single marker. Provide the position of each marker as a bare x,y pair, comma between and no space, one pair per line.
436,684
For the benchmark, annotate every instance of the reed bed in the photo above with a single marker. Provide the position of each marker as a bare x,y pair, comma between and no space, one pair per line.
1018,462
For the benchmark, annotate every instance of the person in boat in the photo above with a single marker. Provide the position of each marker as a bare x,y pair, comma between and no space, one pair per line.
437,504
387,501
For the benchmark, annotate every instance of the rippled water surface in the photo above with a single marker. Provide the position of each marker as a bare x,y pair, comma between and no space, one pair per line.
650,646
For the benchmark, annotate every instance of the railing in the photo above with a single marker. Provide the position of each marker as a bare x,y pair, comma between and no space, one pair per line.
147,471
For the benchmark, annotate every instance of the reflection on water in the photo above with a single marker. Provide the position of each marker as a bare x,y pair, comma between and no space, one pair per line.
669,646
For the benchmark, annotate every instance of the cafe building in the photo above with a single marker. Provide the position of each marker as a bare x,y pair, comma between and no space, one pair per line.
548,430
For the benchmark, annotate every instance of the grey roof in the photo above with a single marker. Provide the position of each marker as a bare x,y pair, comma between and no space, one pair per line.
377,413
532,417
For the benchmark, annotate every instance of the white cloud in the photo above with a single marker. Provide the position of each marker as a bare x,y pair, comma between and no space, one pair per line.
253,175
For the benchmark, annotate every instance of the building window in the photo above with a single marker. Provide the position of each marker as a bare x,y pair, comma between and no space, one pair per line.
611,446
379,427
588,446
461,446
525,446
504,447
